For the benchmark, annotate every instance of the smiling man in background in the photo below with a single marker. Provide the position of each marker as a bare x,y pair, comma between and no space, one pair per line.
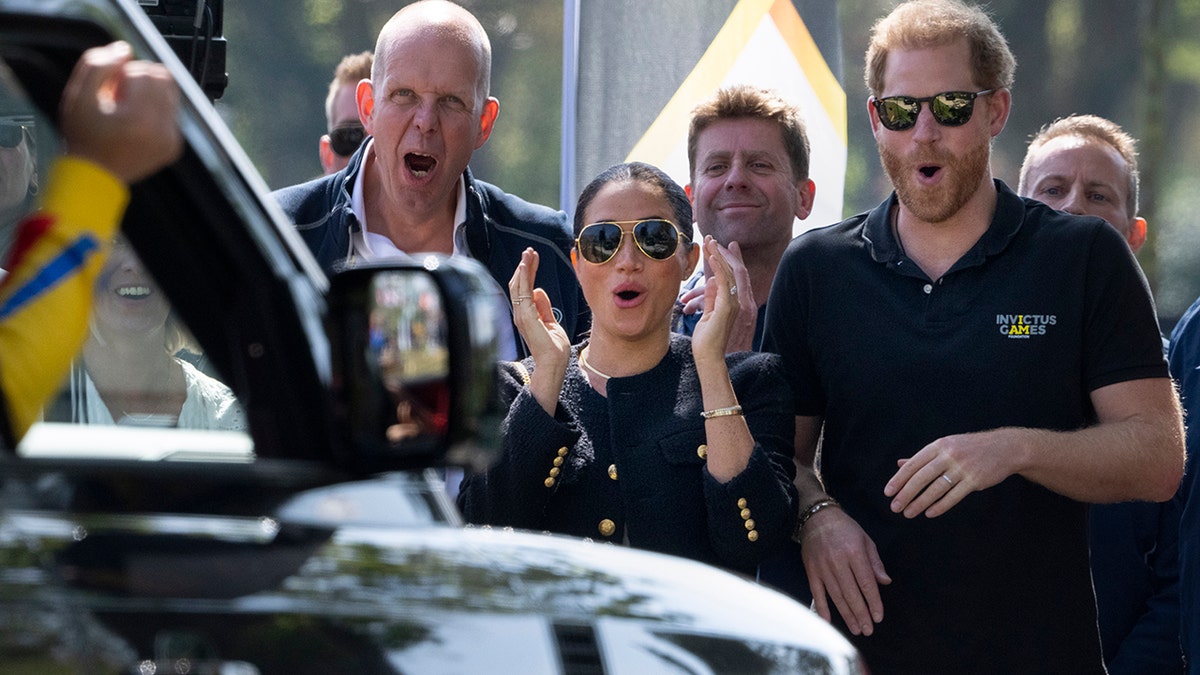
748,156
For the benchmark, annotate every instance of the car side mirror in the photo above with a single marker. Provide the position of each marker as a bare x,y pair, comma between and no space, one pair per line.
414,350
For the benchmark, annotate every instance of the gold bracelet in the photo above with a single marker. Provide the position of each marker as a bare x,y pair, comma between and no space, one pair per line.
721,412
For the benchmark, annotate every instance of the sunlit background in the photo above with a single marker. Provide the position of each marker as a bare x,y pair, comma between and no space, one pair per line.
1136,63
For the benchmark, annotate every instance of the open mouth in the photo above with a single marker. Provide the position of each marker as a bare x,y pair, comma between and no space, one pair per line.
929,171
133,292
628,295
419,164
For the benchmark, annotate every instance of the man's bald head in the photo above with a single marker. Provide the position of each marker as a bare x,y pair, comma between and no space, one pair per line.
446,20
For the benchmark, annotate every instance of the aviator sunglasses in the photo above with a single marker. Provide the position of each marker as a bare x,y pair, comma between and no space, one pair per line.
949,108
345,138
599,242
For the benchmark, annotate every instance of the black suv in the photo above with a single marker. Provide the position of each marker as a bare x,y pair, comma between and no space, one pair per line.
299,523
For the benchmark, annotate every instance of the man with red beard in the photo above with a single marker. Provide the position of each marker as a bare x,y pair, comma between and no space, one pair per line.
978,367
407,190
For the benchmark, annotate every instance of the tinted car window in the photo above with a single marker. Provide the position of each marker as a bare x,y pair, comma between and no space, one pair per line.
139,367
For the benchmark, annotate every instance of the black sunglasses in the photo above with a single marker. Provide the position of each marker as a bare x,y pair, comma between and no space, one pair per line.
949,108
346,138
599,242
11,134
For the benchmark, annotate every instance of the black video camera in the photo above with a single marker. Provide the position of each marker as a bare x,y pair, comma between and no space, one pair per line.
193,28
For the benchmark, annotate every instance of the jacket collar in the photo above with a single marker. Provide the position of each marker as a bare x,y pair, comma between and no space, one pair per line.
478,240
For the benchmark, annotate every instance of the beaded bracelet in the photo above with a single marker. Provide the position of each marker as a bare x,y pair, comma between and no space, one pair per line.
721,412
809,513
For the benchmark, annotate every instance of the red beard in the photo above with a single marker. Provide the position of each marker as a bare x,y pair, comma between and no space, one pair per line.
935,204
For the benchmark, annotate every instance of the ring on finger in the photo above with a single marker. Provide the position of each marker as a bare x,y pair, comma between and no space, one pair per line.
733,289
948,479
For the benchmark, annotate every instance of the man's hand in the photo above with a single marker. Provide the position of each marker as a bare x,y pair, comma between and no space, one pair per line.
947,470
121,113
843,565
741,338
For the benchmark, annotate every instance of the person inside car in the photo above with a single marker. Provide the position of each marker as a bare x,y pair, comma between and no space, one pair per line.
639,435
131,371
18,171
119,124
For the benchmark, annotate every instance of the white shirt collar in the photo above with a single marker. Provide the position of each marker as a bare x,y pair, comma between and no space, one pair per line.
368,245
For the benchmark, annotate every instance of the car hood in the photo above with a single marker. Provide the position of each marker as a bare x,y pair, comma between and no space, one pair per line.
266,596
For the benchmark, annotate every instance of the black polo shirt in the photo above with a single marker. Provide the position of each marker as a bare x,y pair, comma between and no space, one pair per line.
1045,308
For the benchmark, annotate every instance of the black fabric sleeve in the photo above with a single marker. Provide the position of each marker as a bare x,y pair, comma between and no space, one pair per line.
785,332
761,499
514,491
1121,339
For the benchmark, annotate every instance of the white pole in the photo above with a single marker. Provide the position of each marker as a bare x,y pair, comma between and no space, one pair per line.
570,84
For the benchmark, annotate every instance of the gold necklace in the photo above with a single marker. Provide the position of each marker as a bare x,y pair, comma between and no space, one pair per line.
588,367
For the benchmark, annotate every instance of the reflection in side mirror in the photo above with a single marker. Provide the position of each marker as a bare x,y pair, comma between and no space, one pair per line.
414,349
407,347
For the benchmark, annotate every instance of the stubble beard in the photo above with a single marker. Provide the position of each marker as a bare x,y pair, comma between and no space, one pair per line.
936,204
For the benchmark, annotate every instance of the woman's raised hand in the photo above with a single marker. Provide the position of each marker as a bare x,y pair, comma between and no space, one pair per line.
546,340
720,322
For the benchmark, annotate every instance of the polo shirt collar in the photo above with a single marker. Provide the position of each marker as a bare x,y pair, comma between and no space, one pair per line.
1007,220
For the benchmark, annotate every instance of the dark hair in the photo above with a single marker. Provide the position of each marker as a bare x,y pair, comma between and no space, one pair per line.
639,172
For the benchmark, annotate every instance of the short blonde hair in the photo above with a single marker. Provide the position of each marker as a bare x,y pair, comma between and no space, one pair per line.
350,70
1091,128
922,24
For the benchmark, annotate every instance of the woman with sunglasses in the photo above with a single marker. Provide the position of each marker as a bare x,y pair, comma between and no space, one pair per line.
638,435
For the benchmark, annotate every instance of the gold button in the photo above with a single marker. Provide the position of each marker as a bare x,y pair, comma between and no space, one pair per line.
752,535
612,471
607,527
558,461
702,451
549,482
745,514
562,452
554,472
742,503
749,523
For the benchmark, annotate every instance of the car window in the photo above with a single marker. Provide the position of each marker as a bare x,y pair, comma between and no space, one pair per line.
140,368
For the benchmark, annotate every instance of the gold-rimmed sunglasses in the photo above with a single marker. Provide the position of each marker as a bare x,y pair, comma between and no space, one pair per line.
655,237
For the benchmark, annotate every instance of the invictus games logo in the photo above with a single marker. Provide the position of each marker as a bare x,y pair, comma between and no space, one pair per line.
1024,325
